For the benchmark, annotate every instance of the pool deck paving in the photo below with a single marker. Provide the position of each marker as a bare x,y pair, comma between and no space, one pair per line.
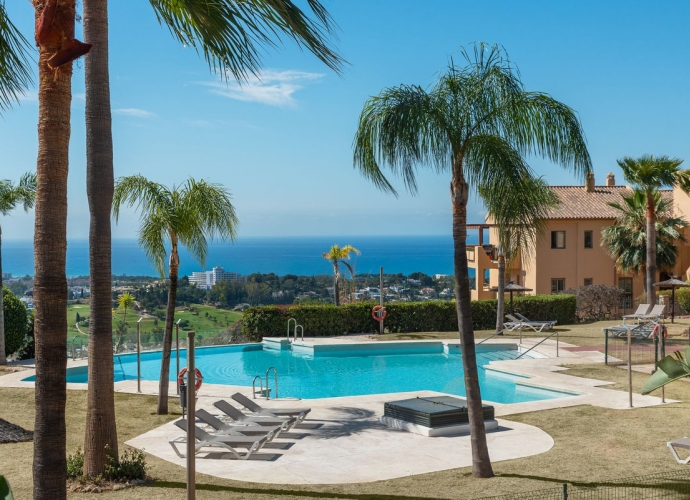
342,440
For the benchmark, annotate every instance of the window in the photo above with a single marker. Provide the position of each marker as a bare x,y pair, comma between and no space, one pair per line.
557,285
589,281
627,297
589,238
557,239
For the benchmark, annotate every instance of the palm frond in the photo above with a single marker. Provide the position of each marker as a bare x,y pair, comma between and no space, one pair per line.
15,72
23,193
230,34
650,173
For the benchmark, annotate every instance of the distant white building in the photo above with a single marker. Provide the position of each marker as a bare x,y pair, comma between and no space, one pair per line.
206,279
6,276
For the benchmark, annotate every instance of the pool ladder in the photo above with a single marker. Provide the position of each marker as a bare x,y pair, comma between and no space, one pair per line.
265,393
294,331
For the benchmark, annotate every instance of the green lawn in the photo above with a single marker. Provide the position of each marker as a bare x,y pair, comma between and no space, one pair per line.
197,318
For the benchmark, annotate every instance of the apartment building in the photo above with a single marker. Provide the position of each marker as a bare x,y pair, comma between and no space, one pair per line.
570,254
206,279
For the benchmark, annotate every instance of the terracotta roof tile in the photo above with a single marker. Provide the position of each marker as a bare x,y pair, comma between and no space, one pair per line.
577,203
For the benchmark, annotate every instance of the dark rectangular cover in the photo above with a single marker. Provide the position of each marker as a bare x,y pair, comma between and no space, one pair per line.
436,411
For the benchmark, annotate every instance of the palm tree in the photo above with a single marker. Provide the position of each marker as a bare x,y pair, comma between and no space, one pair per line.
15,75
230,35
519,212
626,240
476,122
189,215
23,193
57,49
649,174
124,301
336,256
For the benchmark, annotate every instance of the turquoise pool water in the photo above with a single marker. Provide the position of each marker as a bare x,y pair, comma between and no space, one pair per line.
350,373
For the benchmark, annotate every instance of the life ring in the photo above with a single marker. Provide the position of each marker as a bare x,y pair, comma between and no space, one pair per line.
378,316
198,376
655,332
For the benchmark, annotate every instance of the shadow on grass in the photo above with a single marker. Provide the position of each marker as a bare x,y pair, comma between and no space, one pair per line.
678,485
286,492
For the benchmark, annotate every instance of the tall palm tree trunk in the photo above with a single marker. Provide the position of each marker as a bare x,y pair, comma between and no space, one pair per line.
481,464
101,427
50,282
501,297
336,284
651,249
164,383
3,358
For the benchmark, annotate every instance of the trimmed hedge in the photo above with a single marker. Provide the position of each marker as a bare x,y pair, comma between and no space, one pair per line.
15,321
403,317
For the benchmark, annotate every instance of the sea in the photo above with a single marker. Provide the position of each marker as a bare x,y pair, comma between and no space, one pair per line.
297,255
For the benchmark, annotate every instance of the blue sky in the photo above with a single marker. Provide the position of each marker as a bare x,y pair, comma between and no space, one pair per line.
283,146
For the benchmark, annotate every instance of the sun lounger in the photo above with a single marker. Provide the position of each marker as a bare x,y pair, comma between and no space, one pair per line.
537,326
525,319
642,310
680,443
656,313
269,412
205,440
285,423
237,430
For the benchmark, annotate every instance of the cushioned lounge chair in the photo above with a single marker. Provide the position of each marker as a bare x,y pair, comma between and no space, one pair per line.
680,443
259,411
237,429
229,443
285,423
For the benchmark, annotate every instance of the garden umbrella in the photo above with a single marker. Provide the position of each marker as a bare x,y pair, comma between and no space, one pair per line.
674,282
512,287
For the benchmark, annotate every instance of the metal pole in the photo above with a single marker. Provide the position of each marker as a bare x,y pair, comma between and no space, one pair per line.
606,346
191,401
139,355
177,352
557,341
381,298
630,367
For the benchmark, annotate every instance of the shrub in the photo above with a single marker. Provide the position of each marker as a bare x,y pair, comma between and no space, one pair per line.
28,348
683,298
15,321
597,302
75,464
132,465
402,317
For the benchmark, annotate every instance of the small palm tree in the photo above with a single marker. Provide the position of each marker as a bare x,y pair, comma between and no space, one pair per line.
626,240
188,215
12,195
337,255
15,76
124,301
520,212
476,123
650,173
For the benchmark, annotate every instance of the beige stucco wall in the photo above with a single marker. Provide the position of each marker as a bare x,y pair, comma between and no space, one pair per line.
681,208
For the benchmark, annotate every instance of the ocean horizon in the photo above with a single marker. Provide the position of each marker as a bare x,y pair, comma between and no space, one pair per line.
280,255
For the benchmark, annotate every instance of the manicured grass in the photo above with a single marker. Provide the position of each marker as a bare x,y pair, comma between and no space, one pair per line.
197,319
593,446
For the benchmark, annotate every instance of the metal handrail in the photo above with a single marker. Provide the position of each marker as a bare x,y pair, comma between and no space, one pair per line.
122,369
261,386
288,329
491,336
275,379
542,340
301,330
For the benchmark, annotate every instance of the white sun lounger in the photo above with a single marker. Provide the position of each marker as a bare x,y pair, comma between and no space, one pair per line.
229,443
680,443
537,326
656,313
259,411
285,423
642,310
237,429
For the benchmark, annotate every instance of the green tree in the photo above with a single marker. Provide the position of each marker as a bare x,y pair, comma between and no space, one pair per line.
650,173
476,123
337,255
12,195
520,211
16,324
626,240
124,301
188,215
230,34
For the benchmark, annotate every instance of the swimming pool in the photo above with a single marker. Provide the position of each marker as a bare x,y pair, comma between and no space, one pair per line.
307,372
